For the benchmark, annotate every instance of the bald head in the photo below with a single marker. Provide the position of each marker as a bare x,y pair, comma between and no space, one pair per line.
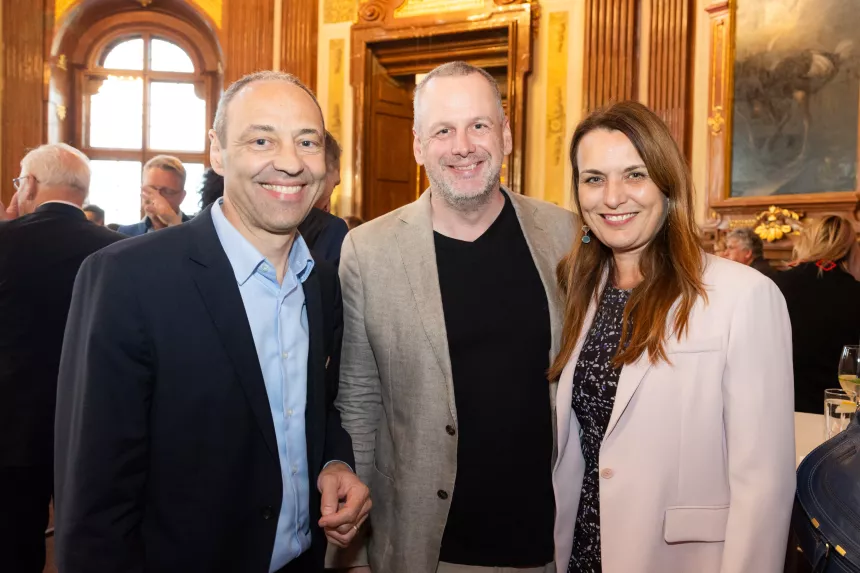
53,172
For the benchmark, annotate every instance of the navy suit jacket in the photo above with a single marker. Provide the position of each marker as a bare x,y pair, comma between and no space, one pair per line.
138,229
324,233
166,457
40,254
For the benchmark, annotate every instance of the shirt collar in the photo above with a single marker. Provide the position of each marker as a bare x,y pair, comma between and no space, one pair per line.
78,207
246,259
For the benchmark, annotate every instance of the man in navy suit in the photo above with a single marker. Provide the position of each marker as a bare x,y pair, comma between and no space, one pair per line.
196,427
323,231
162,191
42,245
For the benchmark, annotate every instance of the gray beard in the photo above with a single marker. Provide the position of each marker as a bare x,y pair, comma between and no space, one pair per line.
465,203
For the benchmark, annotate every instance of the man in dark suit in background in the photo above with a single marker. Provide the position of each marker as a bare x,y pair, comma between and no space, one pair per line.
162,190
323,231
40,253
196,427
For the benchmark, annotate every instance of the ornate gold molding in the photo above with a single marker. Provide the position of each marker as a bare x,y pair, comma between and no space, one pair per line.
776,223
716,121
556,100
411,8
336,11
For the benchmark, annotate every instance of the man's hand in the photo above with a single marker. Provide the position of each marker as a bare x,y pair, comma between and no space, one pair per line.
11,212
157,207
345,503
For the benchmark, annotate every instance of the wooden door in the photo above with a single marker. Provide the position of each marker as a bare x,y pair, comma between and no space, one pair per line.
391,172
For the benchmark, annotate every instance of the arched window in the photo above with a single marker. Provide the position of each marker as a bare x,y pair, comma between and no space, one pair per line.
144,94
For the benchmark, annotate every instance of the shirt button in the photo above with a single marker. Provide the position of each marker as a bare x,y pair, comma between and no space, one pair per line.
285,354
267,512
264,268
289,413
442,494
450,429
606,473
295,470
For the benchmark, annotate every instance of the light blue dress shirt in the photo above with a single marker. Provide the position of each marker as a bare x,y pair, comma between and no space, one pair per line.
279,324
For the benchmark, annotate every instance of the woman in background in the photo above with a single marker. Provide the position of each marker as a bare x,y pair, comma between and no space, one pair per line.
823,298
675,425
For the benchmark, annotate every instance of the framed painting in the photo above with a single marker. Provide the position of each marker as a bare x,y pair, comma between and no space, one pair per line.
784,109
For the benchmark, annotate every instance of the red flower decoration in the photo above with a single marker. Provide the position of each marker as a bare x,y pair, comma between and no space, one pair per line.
825,265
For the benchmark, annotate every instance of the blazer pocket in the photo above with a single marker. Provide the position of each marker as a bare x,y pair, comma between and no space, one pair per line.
696,523
688,345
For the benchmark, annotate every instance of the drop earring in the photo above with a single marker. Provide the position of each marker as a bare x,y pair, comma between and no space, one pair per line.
585,237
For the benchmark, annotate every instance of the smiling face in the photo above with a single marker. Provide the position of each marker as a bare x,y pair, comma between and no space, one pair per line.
620,203
461,138
272,157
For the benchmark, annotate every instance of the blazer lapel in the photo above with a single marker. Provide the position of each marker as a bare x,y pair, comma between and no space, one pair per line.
628,382
211,271
539,243
418,254
314,422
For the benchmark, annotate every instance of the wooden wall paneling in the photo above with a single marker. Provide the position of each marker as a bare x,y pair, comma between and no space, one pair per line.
24,83
611,53
299,31
670,50
249,36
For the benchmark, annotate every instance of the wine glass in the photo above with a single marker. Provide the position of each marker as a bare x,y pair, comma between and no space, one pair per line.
849,371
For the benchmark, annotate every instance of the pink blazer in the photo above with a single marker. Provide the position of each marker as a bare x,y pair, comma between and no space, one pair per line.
697,464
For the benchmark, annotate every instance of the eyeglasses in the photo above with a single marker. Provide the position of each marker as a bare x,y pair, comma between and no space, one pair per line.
19,181
163,191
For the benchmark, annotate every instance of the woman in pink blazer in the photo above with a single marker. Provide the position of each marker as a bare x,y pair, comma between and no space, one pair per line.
675,422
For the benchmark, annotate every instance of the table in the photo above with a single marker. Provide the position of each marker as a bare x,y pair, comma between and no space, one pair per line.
808,433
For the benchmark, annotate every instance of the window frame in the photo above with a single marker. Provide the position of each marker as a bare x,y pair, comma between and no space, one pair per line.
88,82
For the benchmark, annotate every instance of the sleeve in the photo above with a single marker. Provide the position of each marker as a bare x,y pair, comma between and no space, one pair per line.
338,446
101,432
359,399
337,231
758,411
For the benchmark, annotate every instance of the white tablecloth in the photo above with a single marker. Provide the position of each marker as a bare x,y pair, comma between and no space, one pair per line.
808,433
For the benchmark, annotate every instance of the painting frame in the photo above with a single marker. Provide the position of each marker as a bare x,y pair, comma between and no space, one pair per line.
724,211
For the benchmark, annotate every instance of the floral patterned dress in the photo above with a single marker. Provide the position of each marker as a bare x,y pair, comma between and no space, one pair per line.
595,382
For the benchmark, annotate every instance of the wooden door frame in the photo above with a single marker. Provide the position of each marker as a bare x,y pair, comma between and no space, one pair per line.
379,25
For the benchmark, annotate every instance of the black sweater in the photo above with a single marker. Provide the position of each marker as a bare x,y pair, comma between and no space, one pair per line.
497,322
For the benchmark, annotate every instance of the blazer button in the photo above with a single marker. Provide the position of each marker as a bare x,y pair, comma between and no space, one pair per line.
450,429
606,473
442,494
267,512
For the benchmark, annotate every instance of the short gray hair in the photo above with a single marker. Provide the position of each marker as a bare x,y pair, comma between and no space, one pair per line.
58,165
454,69
220,124
748,239
167,163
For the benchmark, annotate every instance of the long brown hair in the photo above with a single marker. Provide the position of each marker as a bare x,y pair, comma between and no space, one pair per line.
671,264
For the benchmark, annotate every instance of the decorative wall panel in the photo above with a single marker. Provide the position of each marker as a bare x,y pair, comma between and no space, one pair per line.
336,71
24,86
336,11
248,38
671,65
610,52
299,30
556,117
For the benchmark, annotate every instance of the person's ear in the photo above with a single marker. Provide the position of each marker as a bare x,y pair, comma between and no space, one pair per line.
216,161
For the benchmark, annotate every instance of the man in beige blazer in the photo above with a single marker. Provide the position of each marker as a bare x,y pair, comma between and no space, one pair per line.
451,319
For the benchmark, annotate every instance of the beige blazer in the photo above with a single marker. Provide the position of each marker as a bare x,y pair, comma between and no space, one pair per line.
697,464
396,394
